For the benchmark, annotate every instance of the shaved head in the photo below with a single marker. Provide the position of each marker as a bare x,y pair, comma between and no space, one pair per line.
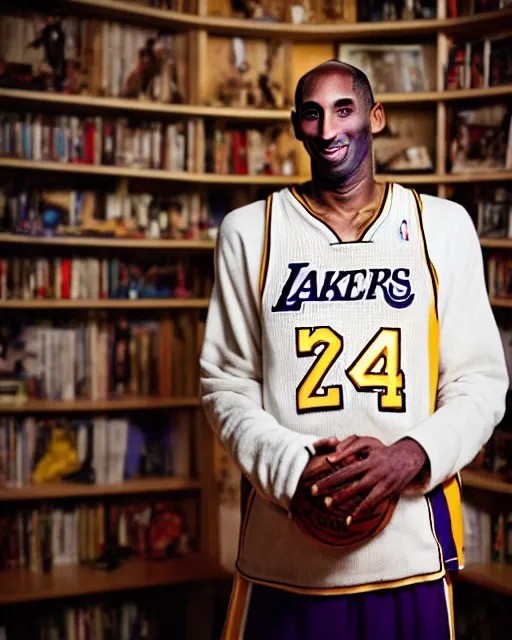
360,82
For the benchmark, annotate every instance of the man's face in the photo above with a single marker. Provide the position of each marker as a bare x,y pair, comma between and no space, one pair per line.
333,122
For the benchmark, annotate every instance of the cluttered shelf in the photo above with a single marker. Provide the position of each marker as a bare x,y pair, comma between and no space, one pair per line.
107,242
128,403
486,480
310,32
492,576
60,490
241,179
38,99
125,304
21,585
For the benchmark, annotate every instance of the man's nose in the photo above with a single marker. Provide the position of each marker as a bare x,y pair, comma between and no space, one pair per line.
327,127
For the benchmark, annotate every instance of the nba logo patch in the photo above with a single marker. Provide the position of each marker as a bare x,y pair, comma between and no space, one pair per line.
404,230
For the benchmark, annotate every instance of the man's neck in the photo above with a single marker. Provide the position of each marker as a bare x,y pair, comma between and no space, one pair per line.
346,208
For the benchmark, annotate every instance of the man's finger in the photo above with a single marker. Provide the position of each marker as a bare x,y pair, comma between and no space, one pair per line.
352,448
339,477
361,486
315,467
325,443
379,493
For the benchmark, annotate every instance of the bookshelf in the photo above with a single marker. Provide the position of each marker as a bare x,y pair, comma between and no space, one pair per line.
63,490
490,576
136,403
117,9
65,582
149,303
486,481
308,45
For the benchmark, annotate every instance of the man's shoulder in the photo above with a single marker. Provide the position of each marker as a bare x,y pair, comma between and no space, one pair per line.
244,221
442,215
449,229
442,208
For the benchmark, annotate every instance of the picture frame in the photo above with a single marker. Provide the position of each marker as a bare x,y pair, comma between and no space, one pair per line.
389,68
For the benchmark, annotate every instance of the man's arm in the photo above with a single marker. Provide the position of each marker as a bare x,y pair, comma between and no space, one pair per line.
473,378
270,455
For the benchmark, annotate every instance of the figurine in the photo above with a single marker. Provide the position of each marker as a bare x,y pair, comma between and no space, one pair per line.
52,39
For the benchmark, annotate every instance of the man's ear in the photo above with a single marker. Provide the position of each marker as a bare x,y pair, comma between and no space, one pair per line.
377,118
296,127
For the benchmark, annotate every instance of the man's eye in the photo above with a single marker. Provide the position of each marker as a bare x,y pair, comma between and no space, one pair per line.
344,112
310,114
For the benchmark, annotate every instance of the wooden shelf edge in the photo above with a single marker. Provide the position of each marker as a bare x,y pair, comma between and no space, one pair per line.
255,28
143,303
486,480
20,585
63,490
503,303
148,174
212,178
142,403
497,243
107,242
495,577
87,103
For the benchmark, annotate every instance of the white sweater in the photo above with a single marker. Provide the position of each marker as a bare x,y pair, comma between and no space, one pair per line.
470,399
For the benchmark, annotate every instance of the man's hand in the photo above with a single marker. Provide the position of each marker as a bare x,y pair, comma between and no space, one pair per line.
386,471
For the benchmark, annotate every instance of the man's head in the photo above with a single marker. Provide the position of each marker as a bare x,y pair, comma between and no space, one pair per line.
335,117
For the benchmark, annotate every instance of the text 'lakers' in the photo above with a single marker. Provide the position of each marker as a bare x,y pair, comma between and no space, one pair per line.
305,284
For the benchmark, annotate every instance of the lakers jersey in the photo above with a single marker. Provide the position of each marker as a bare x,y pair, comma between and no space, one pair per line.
350,345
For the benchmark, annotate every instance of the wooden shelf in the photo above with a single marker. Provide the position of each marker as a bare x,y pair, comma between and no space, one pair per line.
84,103
145,303
504,303
399,29
24,586
448,178
87,103
109,243
142,403
486,480
145,174
495,577
496,243
212,178
74,490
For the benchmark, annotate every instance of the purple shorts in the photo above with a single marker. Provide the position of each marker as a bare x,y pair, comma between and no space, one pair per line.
421,611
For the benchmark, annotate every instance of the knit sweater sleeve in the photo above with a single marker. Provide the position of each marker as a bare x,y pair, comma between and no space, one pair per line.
473,378
272,456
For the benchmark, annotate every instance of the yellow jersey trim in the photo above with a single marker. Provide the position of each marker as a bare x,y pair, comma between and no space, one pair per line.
236,609
266,246
362,588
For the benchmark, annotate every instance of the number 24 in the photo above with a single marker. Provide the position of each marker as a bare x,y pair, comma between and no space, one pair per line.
388,379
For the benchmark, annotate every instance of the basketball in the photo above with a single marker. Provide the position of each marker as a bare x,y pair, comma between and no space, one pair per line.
329,525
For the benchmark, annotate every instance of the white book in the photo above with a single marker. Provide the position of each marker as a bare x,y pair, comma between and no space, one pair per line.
58,537
99,455
117,439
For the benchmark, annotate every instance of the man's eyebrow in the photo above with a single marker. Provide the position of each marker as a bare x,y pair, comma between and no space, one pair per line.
341,102
344,102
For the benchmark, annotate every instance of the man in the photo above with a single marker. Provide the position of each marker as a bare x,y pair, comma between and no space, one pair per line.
346,314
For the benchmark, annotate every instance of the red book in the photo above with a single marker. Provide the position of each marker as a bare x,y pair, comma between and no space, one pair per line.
66,279
240,153
89,135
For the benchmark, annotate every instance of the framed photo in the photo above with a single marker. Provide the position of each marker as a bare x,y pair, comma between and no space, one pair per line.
390,69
